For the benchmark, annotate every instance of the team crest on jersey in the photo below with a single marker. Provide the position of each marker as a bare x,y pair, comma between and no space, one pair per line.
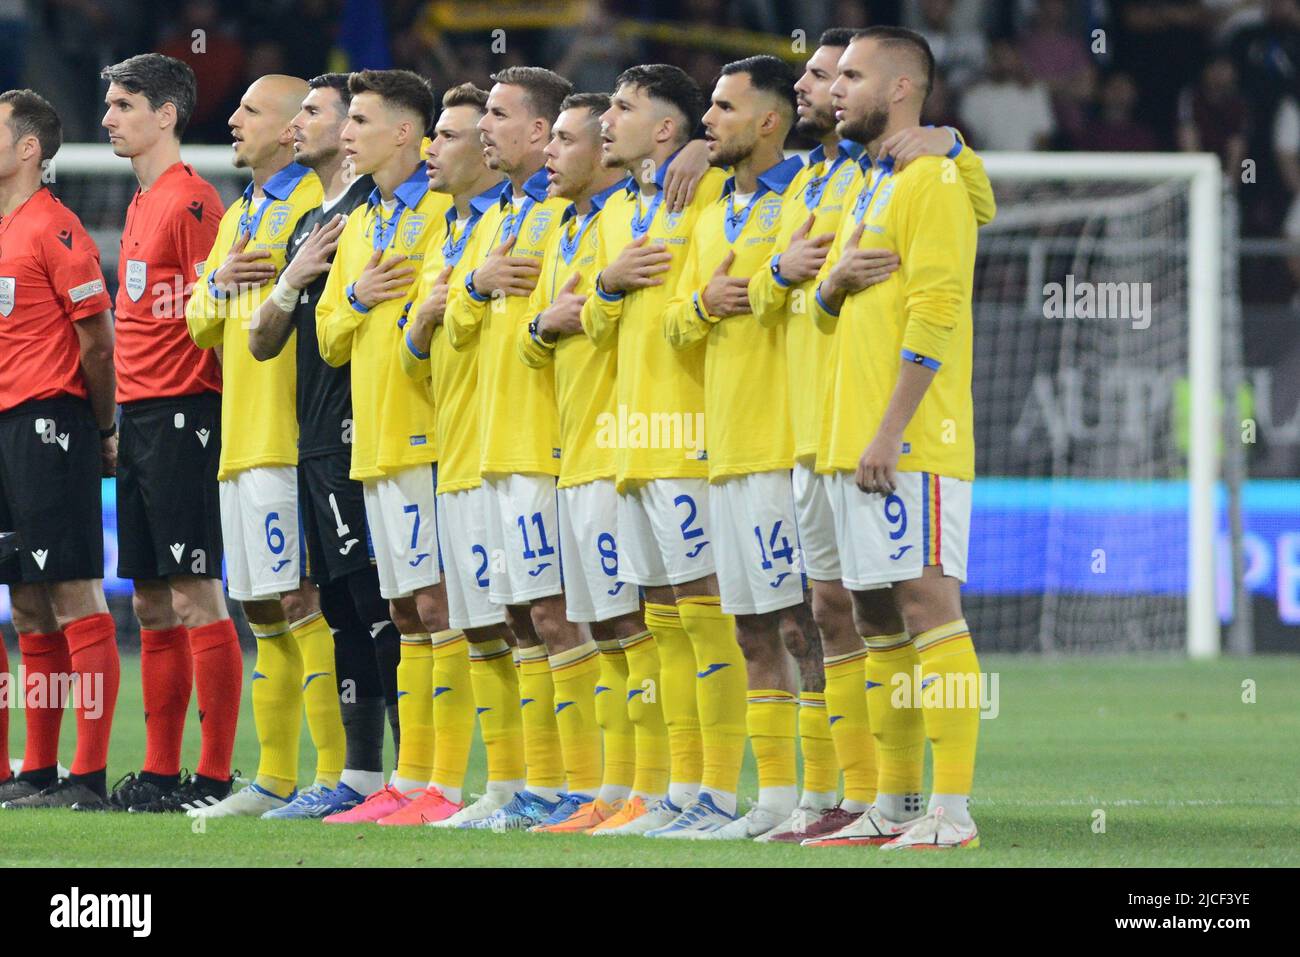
277,219
137,273
842,179
672,221
769,213
8,289
537,228
882,199
412,228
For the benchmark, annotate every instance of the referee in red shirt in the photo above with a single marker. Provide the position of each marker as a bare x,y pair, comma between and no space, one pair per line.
168,512
57,437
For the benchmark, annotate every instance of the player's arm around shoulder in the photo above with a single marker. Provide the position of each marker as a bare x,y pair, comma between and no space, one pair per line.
936,243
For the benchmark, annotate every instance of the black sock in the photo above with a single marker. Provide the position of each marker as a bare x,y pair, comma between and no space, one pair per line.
363,727
40,777
95,780
396,727
164,781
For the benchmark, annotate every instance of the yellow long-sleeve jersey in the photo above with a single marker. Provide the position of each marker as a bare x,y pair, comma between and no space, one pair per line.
519,427
392,414
585,371
745,396
660,389
259,418
452,374
825,186
922,313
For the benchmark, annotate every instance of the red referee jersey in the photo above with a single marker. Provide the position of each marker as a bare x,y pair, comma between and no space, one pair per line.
49,278
169,231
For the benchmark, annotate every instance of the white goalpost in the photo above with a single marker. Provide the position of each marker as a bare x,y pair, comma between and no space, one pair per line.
1090,428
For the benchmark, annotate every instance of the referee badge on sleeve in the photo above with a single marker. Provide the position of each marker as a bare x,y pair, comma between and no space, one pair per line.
137,271
7,289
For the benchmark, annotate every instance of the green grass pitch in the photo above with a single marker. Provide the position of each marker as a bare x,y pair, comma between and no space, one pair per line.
1185,771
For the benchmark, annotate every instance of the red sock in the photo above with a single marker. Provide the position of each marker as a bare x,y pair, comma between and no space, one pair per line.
167,677
219,679
47,662
5,773
92,642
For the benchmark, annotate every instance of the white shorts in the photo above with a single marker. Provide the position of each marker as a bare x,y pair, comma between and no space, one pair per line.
664,535
757,538
816,521
259,529
462,534
886,539
523,538
402,515
589,554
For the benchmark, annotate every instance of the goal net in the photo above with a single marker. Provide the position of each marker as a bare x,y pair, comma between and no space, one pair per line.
1095,378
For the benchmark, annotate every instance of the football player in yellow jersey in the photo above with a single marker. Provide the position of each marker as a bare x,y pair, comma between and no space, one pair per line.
455,165
518,424
750,445
901,382
664,532
833,722
258,476
394,455
588,504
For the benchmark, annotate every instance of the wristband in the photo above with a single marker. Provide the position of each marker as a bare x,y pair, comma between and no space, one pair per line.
213,291
353,301
469,288
109,432
284,297
776,272
604,293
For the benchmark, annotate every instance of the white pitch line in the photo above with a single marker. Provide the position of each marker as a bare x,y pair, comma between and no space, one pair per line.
1134,802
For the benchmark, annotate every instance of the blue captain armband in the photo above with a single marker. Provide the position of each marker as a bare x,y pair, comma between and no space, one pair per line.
931,364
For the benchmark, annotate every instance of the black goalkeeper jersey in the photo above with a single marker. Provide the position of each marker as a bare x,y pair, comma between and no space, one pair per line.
324,392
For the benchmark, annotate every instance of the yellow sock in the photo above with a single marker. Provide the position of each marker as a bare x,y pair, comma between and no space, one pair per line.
542,755
771,717
821,772
575,674
721,688
950,705
415,711
320,697
495,679
617,732
277,706
676,694
899,731
850,726
453,713
645,712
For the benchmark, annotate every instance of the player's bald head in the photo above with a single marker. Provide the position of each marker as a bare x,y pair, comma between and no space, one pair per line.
280,94
900,53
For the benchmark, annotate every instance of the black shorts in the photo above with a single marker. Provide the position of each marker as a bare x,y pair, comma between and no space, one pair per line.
168,510
50,491
333,515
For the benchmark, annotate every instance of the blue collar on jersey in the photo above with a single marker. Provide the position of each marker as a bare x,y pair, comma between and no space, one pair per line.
630,184
481,203
597,201
534,189
885,163
454,248
282,184
846,150
774,180
409,193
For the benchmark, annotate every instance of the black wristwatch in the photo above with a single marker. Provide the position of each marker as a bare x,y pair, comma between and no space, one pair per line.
109,432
